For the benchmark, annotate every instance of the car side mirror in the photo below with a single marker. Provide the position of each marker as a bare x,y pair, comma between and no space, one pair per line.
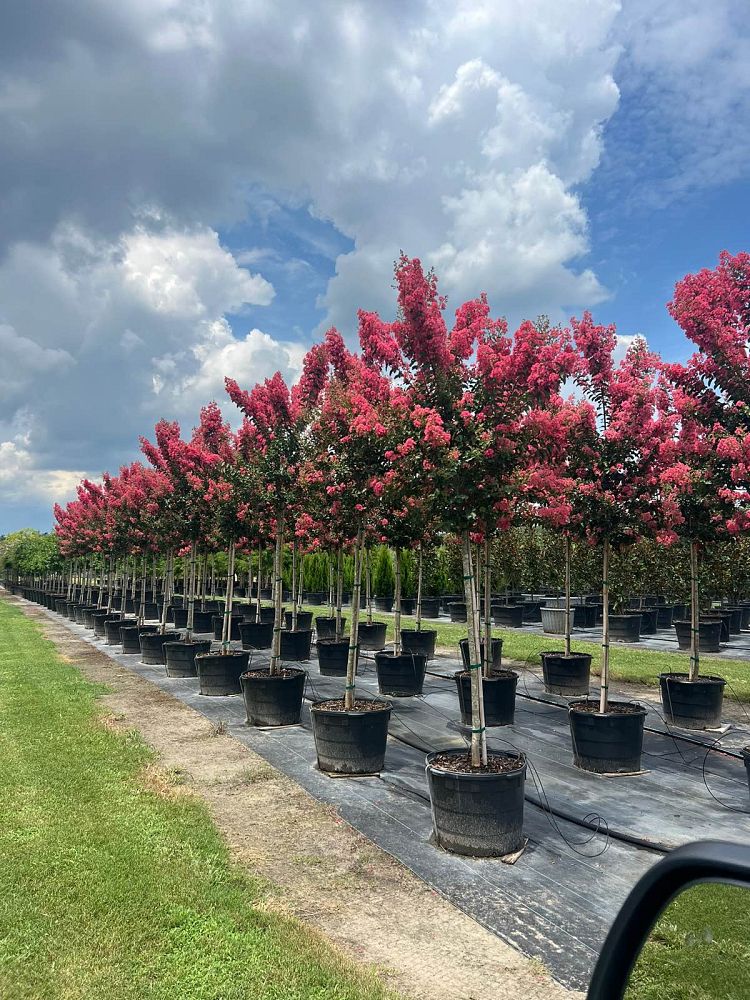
702,936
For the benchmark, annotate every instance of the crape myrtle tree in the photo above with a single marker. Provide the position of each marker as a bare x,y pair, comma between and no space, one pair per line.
708,470
618,493
349,441
274,436
187,466
476,422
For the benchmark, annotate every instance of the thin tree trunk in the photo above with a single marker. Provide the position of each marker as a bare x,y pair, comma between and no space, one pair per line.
213,577
331,579
567,595
276,648
300,580
142,606
478,732
167,590
487,608
257,584
604,694
226,630
397,615
339,589
351,663
294,584
694,614
419,588
368,583
191,595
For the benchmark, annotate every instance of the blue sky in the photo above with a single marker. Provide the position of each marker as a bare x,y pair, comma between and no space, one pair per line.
198,188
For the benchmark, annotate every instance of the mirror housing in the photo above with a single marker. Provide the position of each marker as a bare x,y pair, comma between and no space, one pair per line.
703,861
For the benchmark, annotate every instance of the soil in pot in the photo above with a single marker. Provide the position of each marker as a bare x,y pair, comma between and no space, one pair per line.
497,653
333,655
354,741
625,628
256,635
179,657
325,627
273,700
610,743
709,635
295,646
152,646
422,641
402,675
692,704
498,692
566,675
372,635
477,812
219,673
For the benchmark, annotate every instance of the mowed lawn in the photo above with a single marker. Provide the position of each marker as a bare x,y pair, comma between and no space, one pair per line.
109,891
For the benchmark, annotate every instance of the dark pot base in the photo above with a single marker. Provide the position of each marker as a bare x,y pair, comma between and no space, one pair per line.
477,814
692,704
607,744
400,676
180,657
566,675
273,700
219,673
350,742
498,693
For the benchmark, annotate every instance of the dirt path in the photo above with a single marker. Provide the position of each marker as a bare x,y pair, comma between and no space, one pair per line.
319,868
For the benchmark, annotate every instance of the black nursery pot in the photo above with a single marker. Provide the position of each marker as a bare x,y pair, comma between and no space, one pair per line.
351,742
180,616
477,813
112,628
203,621
746,758
420,641
566,675
383,603
315,597
61,606
333,655
98,618
180,657
649,620
217,623
497,653
692,704
130,636
625,628
430,607
509,615
457,611
256,635
709,635
372,635
219,673
152,646
295,646
325,627
610,743
665,615
273,700
304,619
267,613
584,616
400,675
498,694
408,604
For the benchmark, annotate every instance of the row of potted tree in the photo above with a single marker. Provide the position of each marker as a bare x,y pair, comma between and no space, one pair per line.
467,431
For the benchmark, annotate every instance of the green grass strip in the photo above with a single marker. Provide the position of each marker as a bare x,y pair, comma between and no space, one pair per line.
109,891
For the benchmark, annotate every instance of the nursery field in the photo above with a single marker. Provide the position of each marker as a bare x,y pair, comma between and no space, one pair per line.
633,666
108,889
